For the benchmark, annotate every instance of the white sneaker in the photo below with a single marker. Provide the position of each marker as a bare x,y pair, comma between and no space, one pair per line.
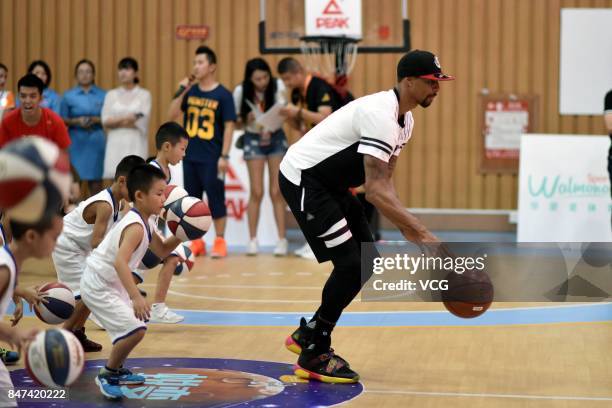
281,247
305,252
252,247
301,250
161,314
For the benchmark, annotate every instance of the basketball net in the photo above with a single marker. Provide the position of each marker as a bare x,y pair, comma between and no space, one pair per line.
333,58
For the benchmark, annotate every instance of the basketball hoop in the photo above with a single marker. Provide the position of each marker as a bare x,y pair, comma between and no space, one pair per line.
332,57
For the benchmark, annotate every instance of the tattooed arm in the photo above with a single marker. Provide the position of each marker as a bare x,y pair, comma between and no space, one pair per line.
380,191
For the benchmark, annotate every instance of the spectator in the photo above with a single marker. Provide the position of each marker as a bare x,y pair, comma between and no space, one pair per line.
208,116
81,110
312,100
125,116
257,93
7,99
30,118
50,98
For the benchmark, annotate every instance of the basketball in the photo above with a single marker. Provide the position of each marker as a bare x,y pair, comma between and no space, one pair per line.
469,294
60,303
172,193
188,218
35,179
186,257
55,358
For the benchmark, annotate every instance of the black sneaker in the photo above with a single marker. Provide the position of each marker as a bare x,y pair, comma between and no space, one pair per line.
300,338
88,345
325,367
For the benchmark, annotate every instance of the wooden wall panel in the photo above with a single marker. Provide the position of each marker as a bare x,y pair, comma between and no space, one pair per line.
501,45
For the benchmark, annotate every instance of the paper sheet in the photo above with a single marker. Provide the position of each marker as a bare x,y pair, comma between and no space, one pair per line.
271,120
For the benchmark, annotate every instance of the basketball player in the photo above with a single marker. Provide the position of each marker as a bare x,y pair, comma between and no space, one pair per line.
84,229
171,141
107,285
29,241
208,116
358,144
30,294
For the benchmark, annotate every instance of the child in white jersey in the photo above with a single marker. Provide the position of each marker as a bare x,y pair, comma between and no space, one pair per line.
84,229
29,241
171,142
107,284
31,294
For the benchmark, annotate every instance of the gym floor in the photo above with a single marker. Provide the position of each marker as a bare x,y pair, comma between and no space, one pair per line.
240,309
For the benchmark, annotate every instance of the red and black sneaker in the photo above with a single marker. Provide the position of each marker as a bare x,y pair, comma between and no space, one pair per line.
325,367
88,345
300,338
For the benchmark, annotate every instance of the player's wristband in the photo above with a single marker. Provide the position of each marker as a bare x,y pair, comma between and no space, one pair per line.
225,156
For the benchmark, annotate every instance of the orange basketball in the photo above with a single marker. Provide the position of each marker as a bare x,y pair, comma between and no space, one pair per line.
469,294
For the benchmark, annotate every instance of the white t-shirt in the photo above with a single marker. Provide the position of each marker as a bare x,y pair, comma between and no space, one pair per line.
333,150
279,97
121,142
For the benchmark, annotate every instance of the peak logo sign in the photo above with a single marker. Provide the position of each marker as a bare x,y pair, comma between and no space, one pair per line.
332,8
333,17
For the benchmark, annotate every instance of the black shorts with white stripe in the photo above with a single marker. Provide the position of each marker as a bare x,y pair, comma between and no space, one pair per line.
333,222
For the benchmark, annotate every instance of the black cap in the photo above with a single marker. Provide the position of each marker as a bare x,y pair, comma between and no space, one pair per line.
421,64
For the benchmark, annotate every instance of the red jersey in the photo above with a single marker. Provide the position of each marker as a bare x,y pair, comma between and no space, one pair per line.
50,126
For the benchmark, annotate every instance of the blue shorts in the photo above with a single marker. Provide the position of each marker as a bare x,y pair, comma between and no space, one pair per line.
253,149
200,177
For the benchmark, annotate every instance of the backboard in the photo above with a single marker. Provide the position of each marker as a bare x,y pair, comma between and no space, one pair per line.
380,26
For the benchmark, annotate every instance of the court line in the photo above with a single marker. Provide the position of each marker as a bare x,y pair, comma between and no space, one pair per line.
482,395
358,299
502,317
280,287
496,317
241,300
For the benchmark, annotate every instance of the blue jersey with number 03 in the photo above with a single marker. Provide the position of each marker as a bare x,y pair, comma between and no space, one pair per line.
205,114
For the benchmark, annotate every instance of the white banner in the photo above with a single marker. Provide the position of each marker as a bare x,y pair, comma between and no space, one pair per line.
236,200
585,60
333,17
564,189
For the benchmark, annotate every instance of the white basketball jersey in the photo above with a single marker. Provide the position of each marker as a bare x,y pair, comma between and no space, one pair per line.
102,259
79,231
156,164
7,259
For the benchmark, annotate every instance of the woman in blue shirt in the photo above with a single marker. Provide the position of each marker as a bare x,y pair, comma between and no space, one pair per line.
50,98
81,108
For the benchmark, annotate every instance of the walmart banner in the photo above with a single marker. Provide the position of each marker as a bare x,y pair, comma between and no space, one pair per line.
564,189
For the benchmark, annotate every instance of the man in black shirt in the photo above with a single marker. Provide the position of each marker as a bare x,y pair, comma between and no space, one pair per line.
312,98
